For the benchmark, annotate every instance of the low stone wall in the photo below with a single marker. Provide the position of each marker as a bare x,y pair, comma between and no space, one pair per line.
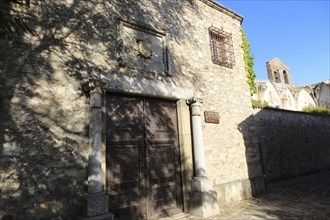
239,190
287,143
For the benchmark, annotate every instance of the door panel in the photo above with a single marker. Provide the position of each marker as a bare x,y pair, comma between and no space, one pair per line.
143,169
162,156
125,140
162,176
125,118
161,120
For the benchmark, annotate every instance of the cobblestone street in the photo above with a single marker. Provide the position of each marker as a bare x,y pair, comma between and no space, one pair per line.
305,197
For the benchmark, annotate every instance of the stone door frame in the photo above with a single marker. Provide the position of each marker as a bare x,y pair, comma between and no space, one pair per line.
185,140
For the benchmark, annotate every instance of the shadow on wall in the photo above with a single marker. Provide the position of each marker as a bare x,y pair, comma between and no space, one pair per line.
284,144
42,131
253,154
44,112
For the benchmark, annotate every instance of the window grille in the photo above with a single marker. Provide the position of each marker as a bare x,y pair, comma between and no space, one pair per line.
221,47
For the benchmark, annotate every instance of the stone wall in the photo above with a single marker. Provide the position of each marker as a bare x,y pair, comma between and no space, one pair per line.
45,111
152,48
323,93
291,143
43,123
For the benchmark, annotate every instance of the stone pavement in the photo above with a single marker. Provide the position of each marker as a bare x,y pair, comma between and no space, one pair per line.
306,197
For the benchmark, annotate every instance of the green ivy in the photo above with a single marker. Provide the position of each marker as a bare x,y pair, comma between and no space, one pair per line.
259,103
248,59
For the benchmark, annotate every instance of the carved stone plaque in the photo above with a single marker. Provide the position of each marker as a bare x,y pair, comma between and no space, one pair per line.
212,117
143,49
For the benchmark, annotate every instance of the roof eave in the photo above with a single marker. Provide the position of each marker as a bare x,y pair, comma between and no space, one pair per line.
224,10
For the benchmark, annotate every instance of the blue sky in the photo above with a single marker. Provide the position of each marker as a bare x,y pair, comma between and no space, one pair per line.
297,32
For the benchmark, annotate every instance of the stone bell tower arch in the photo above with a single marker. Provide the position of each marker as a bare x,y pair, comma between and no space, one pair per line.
278,72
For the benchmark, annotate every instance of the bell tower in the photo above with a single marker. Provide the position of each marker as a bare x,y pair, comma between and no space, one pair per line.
278,72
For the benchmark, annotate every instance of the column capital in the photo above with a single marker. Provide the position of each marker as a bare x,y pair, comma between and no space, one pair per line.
195,101
95,91
195,106
95,86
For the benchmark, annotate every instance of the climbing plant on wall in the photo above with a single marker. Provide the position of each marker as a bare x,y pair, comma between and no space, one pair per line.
248,58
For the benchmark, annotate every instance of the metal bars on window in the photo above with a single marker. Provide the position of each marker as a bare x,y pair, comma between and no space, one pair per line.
221,47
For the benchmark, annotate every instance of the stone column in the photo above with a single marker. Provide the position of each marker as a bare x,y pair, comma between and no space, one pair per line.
95,163
96,202
203,199
197,133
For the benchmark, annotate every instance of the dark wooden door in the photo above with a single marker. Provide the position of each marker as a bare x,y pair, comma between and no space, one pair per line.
143,169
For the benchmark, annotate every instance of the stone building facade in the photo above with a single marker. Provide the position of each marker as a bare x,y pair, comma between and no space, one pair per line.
124,107
322,93
279,91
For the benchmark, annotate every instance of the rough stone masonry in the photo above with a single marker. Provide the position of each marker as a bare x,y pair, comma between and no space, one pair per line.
158,48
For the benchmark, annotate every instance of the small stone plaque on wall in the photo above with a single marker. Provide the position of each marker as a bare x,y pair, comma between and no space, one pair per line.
212,117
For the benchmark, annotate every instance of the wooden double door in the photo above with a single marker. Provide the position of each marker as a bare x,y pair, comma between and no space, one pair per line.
143,162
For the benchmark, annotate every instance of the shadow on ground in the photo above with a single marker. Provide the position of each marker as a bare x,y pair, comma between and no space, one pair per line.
306,197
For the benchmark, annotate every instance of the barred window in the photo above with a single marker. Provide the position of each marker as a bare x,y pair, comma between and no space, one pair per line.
221,47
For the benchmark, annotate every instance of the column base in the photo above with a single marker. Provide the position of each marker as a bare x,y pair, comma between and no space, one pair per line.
96,207
203,199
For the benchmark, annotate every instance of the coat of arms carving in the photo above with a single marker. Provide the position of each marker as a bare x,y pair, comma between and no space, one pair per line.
143,47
